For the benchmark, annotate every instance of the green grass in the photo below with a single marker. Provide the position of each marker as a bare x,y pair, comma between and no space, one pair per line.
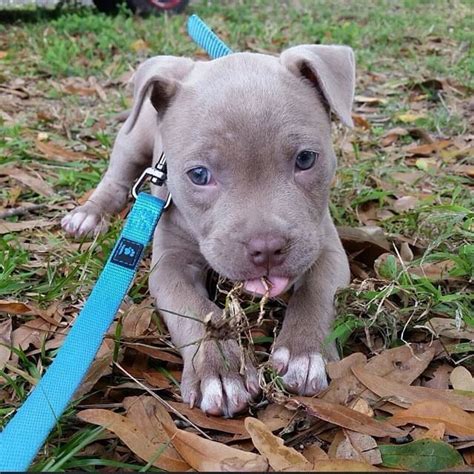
398,45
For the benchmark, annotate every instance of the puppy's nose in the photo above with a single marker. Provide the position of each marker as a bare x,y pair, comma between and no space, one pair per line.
267,251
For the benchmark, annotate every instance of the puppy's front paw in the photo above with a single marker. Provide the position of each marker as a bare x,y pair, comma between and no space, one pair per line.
211,379
302,372
84,220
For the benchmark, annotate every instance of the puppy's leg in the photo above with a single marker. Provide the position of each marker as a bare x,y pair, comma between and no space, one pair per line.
131,154
211,377
300,351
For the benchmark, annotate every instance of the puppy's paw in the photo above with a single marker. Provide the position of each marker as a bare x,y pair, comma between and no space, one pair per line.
84,220
303,373
211,379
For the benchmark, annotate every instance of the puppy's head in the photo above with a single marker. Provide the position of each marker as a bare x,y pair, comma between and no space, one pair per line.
250,160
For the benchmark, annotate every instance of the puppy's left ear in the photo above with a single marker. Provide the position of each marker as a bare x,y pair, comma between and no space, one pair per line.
331,69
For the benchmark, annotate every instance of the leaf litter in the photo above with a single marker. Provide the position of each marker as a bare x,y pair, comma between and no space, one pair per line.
401,398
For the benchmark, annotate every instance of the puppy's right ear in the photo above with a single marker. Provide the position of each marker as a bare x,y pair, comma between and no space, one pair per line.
161,75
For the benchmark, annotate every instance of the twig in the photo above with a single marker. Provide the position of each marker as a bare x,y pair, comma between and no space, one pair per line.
21,210
161,400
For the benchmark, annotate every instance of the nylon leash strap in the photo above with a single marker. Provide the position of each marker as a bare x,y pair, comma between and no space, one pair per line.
27,431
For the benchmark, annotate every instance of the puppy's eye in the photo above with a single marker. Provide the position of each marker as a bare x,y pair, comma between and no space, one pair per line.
306,159
200,175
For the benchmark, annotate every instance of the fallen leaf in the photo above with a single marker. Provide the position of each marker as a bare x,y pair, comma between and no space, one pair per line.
8,227
428,148
279,457
361,121
362,406
160,380
440,379
401,364
159,354
362,99
275,416
429,413
436,432
342,368
144,412
410,117
345,417
405,395
422,455
137,320
32,332
314,453
468,170
35,183
17,307
435,271
134,438
405,203
206,455
5,341
451,328
199,418
408,177
58,153
461,379
344,465
359,447
391,136
3,54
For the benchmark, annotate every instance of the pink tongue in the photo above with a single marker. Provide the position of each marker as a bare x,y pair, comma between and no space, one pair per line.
276,286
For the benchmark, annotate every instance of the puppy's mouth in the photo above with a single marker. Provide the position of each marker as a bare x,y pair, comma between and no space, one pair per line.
270,286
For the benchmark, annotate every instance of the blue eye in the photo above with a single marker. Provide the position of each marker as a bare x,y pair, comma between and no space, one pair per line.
200,175
306,159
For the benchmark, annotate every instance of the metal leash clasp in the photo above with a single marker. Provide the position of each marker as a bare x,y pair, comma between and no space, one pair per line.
156,174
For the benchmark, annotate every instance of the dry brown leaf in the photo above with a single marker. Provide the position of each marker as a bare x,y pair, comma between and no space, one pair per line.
359,447
468,170
206,455
279,456
362,406
314,453
156,353
402,364
429,413
410,177
17,307
461,379
405,203
436,432
345,417
434,271
275,416
5,341
405,395
392,135
36,183
342,368
362,99
134,438
344,465
451,328
8,227
160,380
361,121
101,366
428,148
410,117
199,418
58,153
137,320
32,332
145,412
440,379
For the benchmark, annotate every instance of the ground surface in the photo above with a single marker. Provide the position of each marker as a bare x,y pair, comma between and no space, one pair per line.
402,199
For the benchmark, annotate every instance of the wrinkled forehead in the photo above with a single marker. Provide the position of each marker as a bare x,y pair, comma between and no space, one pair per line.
249,100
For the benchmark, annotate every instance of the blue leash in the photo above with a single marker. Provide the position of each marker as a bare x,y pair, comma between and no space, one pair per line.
27,431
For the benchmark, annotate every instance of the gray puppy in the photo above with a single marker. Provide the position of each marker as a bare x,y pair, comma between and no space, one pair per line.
250,162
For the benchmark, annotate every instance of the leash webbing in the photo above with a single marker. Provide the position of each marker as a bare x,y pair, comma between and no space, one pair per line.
206,38
26,432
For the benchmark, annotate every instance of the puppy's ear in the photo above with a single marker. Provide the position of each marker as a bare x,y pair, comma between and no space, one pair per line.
161,75
331,69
